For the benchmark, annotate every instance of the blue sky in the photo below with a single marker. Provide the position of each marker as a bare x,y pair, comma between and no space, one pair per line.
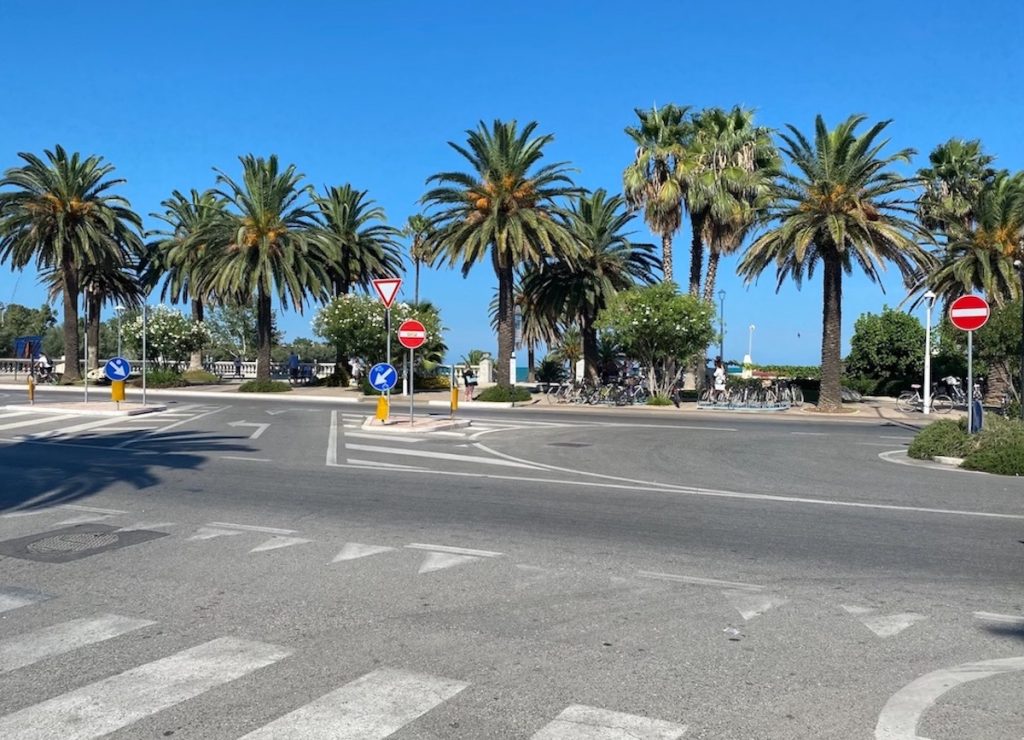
369,93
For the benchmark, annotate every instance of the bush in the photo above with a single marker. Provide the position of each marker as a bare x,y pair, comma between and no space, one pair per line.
366,388
892,387
161,378
338,379
504,394
658,400
200,377
264,386
432,383
864,386
946,438
791,371
999,449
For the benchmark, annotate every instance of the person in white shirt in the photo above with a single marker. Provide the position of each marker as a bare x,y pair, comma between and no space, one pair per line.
719,379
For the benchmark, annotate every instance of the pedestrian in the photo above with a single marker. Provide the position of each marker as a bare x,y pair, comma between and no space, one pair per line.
719,379
238,366
293,367
44,367
357,368
469,380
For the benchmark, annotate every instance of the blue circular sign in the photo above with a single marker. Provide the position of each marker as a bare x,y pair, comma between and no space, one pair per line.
383,376
117,368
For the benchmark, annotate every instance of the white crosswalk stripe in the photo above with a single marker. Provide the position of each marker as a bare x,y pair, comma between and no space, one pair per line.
580,722
371,707
15,598
112,703
24,650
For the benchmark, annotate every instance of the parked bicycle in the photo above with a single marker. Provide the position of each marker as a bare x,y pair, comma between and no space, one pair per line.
912,400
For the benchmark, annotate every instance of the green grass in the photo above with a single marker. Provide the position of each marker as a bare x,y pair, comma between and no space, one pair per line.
264,386
659,401
200,377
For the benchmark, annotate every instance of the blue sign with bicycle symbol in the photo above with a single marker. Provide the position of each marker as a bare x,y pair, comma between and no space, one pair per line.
383,376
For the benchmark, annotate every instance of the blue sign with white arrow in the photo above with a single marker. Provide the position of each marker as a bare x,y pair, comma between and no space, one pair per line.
383,376
117,368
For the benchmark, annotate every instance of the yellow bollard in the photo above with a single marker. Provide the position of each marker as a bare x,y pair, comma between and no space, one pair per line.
31,390
116,390
382,409
455,400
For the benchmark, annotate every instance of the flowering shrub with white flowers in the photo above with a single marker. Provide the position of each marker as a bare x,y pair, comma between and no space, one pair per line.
171,336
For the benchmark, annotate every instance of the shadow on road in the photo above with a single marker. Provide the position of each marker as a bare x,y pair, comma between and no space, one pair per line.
36,474
1005,630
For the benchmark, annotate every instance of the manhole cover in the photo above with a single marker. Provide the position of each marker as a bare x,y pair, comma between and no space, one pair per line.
74,542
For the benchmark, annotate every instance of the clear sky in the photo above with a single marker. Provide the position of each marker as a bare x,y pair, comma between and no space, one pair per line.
369,92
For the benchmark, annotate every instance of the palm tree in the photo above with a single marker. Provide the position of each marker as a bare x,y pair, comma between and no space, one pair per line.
360,246
60,215
177,254
536,325
652,181
267,245
504,209
838,207
730,177
569,348
959,171
577,289
418,229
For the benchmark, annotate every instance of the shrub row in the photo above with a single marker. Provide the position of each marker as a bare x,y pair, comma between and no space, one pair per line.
504,394
998,448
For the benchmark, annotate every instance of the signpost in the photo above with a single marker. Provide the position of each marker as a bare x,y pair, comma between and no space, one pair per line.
387,291
382,377
969,313
411,334
117,371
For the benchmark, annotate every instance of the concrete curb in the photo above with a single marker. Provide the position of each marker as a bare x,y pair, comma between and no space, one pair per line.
401,426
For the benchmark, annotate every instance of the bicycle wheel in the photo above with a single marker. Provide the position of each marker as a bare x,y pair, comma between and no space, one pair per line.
798,395
907,402
641,396
942,404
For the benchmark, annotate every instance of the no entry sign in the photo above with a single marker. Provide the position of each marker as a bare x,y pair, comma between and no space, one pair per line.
969,312
411,334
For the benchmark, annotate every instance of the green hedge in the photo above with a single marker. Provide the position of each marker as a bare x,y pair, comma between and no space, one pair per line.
161,378
791,371
264,386
657,400
504,394
432,383
999,448
200,377
946,438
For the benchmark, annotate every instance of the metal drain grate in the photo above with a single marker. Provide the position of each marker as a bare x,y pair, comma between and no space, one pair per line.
75,542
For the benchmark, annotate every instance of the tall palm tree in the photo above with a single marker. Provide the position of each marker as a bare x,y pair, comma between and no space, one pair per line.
536,325
504,208
266,246
839,206
418,229
578,288
360,246
730,177
652,181
60,215
959,171
176,256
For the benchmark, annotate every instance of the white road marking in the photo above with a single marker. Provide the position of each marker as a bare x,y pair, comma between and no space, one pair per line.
83,519
442,560
37,420
382,437
901,439
454,550
900,458
696,581
208,533
85,426
260,428
372,707
857,609
276,543
440,456
112,703
145,525
26,649
355,550
903,711
246,459
1001,618
811,434
887,625
251,528
15,598
751,605
194,417
332,440
374,464
12,414
579,722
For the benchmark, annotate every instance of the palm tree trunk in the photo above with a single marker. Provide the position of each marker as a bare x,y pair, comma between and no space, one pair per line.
506,323
590,354
696,254
1000,384
831,323
417,290
92,330
264,333
531,358
666,256
70,279
711,276
195,361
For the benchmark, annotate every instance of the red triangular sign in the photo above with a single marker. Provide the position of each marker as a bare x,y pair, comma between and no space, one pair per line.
387,289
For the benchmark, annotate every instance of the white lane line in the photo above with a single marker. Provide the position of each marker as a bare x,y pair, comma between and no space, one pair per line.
171,426
455,550
38,420
373,464
372,707
901,439
579,722
26,649
83,519
78,427
900,715
250,528
57,510
356,550
13,414
752,604
384,437
698,581
208,533
277,542
145,525
443,560
439,456
811,434
887,625
1001,618
15,598
246,459
112,703
93,509
332,440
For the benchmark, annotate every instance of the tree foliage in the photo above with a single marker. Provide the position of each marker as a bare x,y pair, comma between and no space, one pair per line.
886,346
170,335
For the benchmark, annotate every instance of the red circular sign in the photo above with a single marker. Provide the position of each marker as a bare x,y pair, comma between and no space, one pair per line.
969,312
411,334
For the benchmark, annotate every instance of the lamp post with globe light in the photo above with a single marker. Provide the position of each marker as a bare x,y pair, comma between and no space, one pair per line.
930,298
721,326
1020,396
119,309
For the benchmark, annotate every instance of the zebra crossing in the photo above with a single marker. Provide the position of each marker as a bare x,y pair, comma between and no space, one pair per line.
374,705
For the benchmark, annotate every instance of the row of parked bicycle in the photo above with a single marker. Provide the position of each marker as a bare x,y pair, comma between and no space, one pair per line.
630,391
946,395
624,392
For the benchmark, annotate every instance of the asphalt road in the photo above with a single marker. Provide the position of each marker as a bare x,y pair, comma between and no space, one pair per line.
237,566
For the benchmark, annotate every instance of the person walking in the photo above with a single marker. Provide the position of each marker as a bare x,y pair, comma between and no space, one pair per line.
719,380
293,367
469,380
238,366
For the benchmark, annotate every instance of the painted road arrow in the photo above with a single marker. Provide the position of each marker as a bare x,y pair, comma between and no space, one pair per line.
255,435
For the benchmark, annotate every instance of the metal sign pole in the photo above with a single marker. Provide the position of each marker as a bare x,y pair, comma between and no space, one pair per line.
85,295
144,368
970,382
411,377
387,330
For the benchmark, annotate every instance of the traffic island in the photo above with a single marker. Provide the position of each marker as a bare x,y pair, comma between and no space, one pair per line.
420,425
88,408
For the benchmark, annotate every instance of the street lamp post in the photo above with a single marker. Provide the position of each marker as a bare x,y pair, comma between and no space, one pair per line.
930,297
119,309
750,343
721,325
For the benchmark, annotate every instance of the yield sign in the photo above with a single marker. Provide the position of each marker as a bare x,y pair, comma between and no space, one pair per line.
387,289
969,312
411,334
